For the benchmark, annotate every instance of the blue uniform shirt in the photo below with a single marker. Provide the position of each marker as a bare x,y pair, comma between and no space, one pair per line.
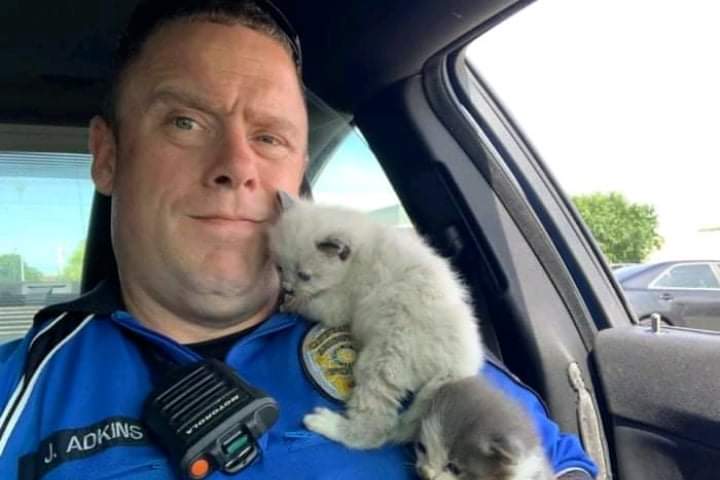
79,415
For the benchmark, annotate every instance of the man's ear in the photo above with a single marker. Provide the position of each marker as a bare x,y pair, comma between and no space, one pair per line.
104,151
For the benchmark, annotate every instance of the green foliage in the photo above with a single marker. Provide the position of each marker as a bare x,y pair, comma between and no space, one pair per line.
10,270
73,269
626,232
33,274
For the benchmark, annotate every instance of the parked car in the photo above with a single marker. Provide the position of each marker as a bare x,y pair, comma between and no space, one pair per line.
391,79
684,293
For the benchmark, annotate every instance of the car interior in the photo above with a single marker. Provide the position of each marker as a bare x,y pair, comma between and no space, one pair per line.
547,303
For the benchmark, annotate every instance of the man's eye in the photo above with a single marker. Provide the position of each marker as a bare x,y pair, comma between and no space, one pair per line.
269,139
184,123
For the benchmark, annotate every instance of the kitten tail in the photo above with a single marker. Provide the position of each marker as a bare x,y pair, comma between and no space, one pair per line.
409,422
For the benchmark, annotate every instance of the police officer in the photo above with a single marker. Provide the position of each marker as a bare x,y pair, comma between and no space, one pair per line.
205,123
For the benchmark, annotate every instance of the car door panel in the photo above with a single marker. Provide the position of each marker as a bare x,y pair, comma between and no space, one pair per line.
694,308
662,399
648,455
700,308
670,303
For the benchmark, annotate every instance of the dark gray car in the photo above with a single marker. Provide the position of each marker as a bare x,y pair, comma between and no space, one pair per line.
684,293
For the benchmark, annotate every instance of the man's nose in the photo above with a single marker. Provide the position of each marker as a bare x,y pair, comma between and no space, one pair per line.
235,164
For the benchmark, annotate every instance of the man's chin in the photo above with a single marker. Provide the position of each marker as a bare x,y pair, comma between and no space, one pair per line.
228,296
222,310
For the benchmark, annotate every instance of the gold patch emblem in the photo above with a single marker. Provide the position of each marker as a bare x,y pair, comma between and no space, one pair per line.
328,355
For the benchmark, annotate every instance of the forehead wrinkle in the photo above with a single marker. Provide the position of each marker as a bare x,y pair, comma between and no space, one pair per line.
256,107
185,97
234,84
267,118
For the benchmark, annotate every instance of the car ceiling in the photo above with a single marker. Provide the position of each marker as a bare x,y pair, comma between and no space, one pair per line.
55,55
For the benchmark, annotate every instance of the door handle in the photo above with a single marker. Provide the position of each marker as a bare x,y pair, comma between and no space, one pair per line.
666,296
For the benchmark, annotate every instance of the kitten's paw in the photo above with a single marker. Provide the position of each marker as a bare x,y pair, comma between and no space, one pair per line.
325,422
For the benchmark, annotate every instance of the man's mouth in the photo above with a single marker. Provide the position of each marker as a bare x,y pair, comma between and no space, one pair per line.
229,225
227,218
230,222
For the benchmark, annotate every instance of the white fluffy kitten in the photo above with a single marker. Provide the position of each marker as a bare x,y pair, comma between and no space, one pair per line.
474,431
406,309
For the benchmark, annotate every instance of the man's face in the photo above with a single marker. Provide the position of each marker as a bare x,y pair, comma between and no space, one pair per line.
212,123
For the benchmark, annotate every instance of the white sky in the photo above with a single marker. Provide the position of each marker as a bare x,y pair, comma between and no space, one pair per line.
620,95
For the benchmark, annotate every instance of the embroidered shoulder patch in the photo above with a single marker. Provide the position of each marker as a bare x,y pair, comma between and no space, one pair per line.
328,355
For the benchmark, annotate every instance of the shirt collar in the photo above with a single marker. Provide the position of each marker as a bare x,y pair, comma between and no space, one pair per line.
106,300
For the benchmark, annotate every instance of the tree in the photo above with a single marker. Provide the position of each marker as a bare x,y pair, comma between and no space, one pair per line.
73,269
625,231
10,270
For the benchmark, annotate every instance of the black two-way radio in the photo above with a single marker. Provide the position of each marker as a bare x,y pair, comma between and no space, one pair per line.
207,418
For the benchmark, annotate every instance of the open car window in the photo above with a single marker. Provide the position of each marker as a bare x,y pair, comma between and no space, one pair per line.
623,124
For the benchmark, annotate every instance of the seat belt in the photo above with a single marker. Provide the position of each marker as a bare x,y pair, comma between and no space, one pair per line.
50,337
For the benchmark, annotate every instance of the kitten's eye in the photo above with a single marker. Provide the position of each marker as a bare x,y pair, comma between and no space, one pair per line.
303,276
452,468
420,448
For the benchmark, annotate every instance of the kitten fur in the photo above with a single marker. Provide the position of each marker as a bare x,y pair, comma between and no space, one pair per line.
474,431
407,311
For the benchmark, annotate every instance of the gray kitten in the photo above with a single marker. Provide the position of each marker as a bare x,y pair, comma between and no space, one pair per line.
474,431
407,311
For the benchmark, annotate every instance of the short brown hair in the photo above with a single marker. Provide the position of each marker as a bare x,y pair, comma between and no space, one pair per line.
150,15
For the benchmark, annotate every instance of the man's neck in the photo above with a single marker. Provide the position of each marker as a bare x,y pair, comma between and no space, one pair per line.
189,326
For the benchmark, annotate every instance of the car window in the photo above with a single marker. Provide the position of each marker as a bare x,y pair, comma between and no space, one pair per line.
625,123
688,276
351,176
45,201
625,114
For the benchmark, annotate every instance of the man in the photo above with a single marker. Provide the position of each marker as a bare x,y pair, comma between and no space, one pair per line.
205,123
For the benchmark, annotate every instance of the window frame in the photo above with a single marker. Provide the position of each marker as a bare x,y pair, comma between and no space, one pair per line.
603,301
43,138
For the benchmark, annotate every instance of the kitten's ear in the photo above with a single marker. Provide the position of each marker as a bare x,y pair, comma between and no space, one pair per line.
285,200
334,247
505,447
